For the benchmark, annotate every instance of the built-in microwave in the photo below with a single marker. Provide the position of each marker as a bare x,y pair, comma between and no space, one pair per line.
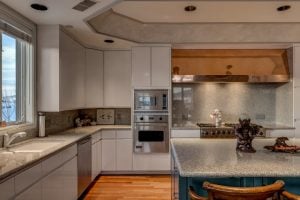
151,100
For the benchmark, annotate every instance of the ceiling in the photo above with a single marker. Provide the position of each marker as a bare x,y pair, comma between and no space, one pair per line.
61,12
209,11
155,11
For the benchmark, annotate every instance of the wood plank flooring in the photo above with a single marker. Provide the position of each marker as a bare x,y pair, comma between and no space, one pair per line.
133,187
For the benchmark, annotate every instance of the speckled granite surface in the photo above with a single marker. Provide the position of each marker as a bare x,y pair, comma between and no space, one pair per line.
218,158
11,162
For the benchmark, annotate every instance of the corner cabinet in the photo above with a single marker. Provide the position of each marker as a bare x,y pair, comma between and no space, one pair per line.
61,70
151,67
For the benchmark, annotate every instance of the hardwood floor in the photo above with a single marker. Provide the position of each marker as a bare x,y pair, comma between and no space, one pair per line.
133,187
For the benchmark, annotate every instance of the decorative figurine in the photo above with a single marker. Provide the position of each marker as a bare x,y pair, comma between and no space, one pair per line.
245,133
281,146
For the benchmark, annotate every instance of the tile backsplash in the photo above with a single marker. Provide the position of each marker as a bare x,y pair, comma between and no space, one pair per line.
264,103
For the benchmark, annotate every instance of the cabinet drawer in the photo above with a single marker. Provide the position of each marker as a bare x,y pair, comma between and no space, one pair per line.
27,178
7,189
109,134
58,159
124,134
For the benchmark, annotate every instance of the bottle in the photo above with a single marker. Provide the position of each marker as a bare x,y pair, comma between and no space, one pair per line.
42,132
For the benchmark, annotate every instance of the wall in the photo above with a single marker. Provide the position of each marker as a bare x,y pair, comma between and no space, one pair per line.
264,103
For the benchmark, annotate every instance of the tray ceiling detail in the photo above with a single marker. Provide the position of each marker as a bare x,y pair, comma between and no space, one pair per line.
120,26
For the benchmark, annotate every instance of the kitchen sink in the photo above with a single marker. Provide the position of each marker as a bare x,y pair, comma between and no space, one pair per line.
35,146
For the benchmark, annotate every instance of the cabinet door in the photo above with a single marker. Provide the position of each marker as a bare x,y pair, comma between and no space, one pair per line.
99,163
297,66
94,79
160,66
70,179
124,154
108,155
95,159
72,73
53,185
141,67
32,193
117,78
7,189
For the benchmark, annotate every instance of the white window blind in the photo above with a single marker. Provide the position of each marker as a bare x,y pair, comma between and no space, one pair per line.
11,30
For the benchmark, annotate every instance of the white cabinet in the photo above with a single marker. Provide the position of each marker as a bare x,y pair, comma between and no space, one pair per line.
7,189
161,67
117,78
27,178
151,162
296,72
61,70
124,154
94,79
151,67
108,155
96,155
69,173
61,183
141,66
32,193
117,148
53,186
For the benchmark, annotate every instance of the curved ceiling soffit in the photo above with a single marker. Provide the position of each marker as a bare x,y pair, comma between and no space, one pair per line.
116,25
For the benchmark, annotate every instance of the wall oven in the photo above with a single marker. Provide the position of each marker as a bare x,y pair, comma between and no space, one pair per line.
151,100
151,133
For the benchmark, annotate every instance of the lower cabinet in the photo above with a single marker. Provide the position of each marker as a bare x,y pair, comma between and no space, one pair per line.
152,162
32,193
96,158
117,151
61,183
108,155
58,183
7,189
124,154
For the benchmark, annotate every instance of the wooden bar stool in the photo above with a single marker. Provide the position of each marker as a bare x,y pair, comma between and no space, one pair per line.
220,192
289,196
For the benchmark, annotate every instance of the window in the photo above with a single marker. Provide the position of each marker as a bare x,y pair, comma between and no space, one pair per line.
15,74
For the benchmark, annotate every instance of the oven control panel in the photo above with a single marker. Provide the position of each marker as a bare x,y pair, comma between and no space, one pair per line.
217,133
146,118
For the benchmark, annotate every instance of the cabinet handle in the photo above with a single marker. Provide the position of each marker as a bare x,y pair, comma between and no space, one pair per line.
138,147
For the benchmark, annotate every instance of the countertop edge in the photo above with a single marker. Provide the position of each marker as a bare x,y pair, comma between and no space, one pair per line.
9,174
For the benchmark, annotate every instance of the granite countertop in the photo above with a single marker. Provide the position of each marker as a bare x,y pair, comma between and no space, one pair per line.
12,162
218,158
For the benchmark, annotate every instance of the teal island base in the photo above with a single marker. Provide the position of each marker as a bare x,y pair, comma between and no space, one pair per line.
180,184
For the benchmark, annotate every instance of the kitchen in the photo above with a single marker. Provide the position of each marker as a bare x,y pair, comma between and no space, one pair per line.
138,86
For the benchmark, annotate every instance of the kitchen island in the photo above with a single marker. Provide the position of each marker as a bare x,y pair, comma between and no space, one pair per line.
216,160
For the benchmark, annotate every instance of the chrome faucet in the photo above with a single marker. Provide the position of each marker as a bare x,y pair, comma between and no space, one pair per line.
7,140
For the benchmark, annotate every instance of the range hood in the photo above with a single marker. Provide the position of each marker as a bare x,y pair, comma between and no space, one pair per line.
230,65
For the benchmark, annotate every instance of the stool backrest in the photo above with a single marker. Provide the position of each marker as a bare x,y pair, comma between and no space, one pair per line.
220,192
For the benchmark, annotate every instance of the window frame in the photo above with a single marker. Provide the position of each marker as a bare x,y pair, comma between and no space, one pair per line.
15,19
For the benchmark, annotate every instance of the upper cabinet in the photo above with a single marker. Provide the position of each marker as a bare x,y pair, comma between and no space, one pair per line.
151,67
117,78
94,79
61,70
296,73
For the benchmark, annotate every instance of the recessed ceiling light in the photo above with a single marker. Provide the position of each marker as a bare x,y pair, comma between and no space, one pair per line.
109,41
190,8
39,7
283,8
